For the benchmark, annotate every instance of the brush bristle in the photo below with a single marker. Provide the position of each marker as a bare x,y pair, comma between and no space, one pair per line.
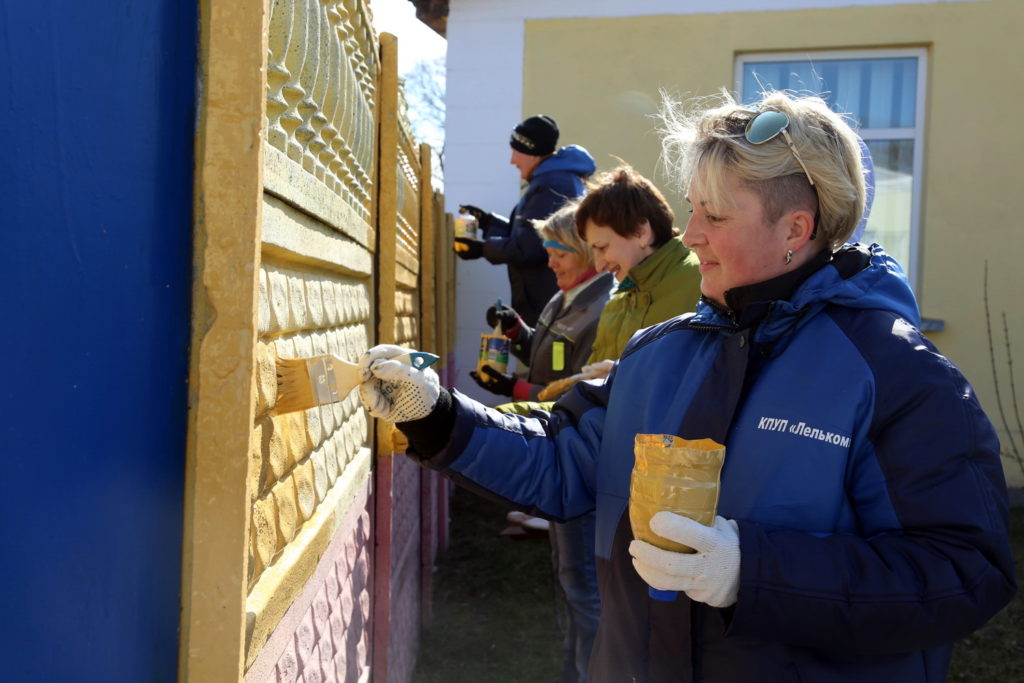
294,386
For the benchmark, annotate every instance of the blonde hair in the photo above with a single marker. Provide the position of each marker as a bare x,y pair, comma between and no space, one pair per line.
561,227
700,146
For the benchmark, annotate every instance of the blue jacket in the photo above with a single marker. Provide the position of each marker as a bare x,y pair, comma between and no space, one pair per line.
860,468
515,242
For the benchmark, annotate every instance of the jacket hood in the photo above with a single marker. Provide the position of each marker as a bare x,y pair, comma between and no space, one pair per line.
859,276
571,158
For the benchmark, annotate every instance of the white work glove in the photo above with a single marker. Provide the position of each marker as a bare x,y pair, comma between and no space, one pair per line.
601,368
392,390
711,575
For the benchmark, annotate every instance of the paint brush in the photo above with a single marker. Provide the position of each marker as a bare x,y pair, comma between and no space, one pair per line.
307,382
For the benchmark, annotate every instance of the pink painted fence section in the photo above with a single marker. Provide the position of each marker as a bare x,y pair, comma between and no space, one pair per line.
325,634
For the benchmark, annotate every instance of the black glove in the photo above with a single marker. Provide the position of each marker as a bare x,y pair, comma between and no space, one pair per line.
468,249
505,316
483,218
494,381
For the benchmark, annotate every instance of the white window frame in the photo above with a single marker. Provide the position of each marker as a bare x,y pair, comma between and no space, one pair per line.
916,133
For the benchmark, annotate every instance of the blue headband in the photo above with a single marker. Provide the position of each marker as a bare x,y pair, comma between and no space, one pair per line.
557,245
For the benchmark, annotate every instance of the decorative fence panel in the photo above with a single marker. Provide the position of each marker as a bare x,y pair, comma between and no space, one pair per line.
313,236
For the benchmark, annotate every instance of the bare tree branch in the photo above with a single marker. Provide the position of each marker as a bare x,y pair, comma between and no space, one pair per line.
1014,453
424,87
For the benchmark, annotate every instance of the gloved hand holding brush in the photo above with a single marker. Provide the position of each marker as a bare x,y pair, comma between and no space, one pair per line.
392,390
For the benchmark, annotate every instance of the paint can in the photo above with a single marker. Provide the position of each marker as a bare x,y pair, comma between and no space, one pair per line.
466,226
494,350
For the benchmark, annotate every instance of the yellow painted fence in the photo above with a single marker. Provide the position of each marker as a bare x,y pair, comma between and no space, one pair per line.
316,232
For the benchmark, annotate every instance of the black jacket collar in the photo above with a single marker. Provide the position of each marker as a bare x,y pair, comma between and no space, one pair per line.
748,304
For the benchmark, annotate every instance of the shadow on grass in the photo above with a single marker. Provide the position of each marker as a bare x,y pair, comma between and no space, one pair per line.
494,615
494,604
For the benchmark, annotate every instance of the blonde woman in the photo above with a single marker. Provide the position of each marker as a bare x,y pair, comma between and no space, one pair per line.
863,513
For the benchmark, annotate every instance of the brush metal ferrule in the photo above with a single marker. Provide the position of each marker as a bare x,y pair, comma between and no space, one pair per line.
321,374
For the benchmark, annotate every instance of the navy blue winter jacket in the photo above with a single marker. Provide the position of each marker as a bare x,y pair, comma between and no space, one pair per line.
860,468
516,243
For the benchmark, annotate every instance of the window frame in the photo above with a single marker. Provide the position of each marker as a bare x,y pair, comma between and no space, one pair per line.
917,133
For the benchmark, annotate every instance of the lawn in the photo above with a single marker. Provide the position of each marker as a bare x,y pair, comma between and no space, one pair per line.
494,619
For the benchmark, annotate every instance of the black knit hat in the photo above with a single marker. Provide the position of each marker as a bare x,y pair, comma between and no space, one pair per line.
537,135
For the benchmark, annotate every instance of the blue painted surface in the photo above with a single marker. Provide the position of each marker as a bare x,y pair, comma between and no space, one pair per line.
97,110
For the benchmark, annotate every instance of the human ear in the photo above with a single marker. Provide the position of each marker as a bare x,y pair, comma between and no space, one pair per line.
799,227
645,233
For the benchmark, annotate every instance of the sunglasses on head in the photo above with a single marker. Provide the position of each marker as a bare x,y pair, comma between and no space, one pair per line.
767,125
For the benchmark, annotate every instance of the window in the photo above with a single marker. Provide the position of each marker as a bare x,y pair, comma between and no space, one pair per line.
883,92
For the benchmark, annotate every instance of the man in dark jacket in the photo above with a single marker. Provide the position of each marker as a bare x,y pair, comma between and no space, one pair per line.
554,176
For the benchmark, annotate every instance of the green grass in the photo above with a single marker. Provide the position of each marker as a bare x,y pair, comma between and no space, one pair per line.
995,652
494,616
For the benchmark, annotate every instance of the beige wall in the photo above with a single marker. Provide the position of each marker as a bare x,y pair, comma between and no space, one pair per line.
600,79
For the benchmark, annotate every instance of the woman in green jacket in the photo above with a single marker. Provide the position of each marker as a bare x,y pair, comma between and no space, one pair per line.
629,226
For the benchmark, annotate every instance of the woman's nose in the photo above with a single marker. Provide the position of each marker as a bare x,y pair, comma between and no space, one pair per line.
692,236
599,264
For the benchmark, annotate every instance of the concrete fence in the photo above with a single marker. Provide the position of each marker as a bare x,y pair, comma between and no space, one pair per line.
307,544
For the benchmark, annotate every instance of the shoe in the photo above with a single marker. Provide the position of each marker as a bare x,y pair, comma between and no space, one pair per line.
516,517
536,524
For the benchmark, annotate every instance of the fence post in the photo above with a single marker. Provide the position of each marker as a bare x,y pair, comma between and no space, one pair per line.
386,265
228,214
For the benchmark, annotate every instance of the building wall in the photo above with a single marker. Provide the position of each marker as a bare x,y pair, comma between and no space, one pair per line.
599,74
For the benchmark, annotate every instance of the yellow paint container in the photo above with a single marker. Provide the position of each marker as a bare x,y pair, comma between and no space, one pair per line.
674,474
466,226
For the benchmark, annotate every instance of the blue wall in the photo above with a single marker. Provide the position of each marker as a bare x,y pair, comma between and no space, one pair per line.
96,120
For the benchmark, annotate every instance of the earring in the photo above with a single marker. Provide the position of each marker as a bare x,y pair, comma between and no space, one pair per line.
789,256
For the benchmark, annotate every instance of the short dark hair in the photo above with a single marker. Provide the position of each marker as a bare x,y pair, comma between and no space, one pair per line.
622,199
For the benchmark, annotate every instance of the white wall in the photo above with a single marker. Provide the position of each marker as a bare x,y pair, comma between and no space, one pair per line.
484,102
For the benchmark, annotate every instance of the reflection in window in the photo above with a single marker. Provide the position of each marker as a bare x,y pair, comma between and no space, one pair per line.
880,95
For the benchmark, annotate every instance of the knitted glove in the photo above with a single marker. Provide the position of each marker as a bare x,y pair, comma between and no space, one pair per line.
711,575
483,218
392,390
507,318
494,381
468,249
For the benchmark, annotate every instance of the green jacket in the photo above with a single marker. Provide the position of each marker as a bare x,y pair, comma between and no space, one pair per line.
665,284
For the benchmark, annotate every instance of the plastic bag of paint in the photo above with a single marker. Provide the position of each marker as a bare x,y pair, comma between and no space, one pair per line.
674,474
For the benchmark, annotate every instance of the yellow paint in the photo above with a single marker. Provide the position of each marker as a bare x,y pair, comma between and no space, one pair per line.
305,493
273,450
266,378
288,518
610,72
228,191
264,521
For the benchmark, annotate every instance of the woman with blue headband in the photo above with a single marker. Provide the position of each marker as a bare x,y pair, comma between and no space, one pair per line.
560,342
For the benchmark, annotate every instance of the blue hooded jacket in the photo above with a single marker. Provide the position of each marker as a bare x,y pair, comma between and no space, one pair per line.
861,470
515,242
